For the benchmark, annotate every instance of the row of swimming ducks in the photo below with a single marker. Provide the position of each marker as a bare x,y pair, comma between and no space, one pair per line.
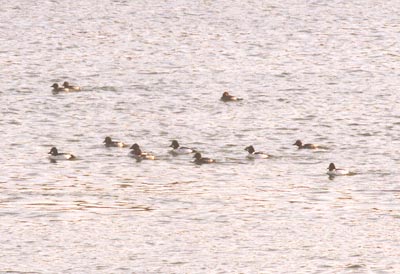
140,155
66,87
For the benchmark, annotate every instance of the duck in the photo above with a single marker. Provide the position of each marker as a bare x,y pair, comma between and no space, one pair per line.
55,155
200,160
57,88
110,143
139,155
178,150
72,88
300,145
255,155
226,97
333,171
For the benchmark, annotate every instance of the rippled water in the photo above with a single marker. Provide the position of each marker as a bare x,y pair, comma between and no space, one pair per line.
322,71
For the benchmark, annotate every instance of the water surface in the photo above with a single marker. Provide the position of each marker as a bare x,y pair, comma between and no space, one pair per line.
151,71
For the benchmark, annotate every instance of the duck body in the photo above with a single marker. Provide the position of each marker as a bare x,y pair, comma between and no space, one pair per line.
255,154
178,150
55,155
333,171
226,97
201,160
300,145
139,155
57,88
110,143
71,88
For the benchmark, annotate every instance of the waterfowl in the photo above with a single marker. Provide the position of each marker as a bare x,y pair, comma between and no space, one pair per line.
255,155
200,160
178,150
72,88
110,143
57,88
333,171
300,145
139,155
226,97
55,155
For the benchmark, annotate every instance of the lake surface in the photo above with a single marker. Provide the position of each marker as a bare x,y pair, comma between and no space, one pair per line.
325,72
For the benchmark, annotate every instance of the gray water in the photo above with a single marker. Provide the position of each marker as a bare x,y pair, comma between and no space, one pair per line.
326,72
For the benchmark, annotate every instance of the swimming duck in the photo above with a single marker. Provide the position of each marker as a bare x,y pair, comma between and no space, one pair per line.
255,155
139,155
57,88
110,143
333,171
178,150
226,97
300,145
55,155
73,88
200,160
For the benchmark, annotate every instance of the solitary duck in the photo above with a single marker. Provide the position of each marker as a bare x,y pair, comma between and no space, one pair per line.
72,88
139,155
226,97
55,155
57,88
178,150
333,171
255,155
200,160
110,143
300,145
